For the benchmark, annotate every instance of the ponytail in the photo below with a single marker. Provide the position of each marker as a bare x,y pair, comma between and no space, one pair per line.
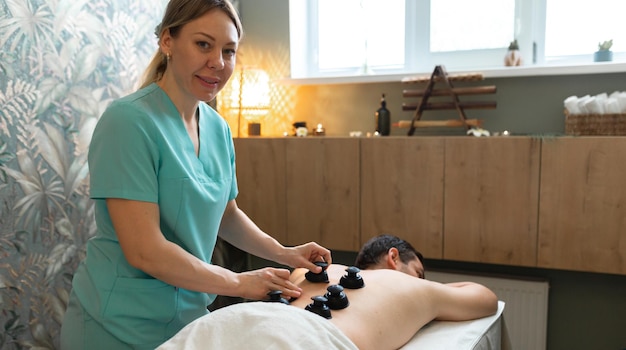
154,71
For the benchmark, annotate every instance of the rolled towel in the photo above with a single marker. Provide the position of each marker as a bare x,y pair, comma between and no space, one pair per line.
621,99
594,106
602,96
571,104
601,99
582,101
611,106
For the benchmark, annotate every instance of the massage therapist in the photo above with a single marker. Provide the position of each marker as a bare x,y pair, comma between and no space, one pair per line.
162,169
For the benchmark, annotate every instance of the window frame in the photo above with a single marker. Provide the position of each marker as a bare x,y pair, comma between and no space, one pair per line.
530,18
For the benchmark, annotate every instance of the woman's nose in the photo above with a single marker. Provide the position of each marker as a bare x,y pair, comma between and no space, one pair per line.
215,60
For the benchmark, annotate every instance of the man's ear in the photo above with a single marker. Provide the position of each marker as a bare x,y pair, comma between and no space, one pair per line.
393,258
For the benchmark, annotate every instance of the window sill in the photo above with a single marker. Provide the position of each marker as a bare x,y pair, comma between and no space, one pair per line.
495,72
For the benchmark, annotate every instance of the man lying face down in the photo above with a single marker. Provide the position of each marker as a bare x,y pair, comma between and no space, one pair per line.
396,300
394,303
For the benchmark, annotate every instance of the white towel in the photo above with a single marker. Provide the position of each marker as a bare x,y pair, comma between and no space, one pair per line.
581,104
612,106
621,98
594,105
571,104
260,325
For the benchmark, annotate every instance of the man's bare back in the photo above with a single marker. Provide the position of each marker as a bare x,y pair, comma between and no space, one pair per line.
393,305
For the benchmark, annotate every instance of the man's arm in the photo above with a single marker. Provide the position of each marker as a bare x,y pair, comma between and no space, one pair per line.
463,301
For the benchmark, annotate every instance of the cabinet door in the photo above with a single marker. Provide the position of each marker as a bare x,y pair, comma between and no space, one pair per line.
323,192
491,200
582,216
402,191
261,180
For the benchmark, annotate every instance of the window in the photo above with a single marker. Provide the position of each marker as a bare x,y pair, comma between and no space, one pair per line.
332,38
363,43
574,31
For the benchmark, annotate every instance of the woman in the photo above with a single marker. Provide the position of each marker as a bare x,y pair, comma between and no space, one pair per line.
162,168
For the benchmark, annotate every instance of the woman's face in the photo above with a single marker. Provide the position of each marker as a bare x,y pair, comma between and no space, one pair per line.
202,55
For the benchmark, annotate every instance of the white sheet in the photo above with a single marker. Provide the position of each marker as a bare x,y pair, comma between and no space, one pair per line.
482,334
261,325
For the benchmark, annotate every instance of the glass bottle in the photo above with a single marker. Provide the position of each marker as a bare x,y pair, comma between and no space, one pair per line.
383,118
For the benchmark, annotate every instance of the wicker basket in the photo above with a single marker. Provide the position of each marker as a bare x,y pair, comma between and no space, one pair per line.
595,124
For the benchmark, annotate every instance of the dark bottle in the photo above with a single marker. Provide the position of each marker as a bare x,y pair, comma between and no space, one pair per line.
383,118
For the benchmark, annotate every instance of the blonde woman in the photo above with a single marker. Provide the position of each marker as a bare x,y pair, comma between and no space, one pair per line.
162,170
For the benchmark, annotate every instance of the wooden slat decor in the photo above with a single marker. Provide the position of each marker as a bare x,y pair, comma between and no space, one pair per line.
440,75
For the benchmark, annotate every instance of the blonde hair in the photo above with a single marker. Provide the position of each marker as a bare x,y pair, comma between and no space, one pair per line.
177,14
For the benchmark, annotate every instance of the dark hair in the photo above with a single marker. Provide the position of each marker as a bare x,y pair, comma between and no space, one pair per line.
374,249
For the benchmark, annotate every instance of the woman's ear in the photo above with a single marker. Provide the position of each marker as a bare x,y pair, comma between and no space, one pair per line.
165,42
393,258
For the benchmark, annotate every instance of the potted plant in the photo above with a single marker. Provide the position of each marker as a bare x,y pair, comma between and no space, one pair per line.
513,56
604,53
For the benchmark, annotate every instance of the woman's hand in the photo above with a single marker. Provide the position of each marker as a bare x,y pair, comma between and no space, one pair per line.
305,256
257,284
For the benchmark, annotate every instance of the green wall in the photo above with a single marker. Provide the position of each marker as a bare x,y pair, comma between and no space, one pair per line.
587,311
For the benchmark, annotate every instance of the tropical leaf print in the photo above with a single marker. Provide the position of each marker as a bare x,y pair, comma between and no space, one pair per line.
61,64
29,27
15,101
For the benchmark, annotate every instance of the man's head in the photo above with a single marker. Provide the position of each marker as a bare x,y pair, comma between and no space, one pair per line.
390,252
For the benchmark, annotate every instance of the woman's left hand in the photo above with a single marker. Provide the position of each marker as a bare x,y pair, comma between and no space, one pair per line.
306,255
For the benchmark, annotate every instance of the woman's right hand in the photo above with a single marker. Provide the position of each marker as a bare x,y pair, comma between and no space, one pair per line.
257,284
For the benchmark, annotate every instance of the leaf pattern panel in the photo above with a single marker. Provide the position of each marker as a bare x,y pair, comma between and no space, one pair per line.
61,63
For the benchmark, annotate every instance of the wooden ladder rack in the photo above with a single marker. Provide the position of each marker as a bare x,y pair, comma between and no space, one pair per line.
440,75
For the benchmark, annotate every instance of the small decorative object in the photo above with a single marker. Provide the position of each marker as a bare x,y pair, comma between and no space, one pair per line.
604,53
299,125
513,56
383,118
319,130
301,131
478,132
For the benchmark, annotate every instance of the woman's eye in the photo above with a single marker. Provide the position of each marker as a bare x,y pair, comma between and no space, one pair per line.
203,45
230,52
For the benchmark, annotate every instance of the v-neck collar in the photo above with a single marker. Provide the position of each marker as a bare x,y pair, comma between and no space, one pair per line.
181,124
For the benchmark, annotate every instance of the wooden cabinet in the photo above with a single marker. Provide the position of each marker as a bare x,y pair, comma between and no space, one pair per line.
261,179
582,217
555,203
323,192
402,191
301,189
491,200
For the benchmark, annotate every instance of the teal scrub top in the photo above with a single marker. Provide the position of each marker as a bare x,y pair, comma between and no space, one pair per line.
141,151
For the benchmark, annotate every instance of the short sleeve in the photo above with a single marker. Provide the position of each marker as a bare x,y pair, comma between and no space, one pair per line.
234,190
123,156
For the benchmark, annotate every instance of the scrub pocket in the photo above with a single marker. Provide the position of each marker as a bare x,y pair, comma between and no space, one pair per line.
138,310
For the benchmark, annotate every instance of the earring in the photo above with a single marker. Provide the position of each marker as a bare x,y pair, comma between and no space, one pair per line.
168,56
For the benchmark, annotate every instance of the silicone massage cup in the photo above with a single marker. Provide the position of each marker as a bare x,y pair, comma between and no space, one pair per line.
318,306
321,277
337,299
352,280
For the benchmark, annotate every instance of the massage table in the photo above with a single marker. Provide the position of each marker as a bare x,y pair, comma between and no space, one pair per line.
263,325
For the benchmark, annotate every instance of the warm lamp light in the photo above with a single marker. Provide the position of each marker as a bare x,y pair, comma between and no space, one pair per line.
250,96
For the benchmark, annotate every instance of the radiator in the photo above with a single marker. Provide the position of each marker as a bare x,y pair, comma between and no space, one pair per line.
526,309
